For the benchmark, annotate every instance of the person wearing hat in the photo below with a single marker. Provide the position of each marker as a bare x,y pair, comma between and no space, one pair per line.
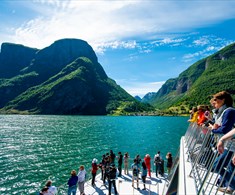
94,168
112,178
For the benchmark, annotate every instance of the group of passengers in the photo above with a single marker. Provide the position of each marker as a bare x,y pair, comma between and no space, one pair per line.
220,121
110,173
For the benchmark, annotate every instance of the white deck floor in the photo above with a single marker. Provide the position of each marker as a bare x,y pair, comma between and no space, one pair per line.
154,186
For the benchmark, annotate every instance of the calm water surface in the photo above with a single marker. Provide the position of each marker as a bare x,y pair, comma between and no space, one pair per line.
35,148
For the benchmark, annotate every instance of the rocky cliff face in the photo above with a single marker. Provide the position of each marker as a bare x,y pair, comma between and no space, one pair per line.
13,58
52,59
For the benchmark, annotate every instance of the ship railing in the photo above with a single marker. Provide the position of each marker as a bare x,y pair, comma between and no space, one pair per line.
170,179
209,175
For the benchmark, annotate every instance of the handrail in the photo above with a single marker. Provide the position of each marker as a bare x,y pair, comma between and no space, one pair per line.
202,154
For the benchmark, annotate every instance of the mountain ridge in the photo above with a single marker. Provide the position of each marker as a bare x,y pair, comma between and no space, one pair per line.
198,82
63,78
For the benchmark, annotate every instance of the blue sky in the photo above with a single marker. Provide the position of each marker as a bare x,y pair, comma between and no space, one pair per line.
140,44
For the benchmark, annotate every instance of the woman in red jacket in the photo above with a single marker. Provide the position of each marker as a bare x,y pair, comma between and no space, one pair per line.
147,160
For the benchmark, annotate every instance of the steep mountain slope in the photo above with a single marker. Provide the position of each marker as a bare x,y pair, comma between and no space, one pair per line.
64,78
195,85
13,58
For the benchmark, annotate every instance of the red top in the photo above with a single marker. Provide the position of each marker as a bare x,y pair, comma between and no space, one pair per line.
201,118
147,160
94,167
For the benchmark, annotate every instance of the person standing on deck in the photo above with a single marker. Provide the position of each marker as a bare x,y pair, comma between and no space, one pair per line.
106,169
94,168
112,178
52,189
101,165
144,174
169,162
112,157
157,162
135,173
147,160
126,162
120,160
81,179
138,159
72,182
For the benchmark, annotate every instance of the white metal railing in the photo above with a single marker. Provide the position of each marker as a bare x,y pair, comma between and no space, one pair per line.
202,153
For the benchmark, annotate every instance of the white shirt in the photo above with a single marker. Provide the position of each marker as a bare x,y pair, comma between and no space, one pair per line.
81,176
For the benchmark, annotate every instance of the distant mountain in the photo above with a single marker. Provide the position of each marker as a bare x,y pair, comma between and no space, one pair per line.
138,98
195,85
64,78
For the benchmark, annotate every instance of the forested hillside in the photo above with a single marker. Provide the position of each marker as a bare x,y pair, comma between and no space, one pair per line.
195,85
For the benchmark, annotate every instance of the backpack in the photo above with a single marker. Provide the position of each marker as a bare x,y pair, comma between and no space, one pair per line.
157,160
135,170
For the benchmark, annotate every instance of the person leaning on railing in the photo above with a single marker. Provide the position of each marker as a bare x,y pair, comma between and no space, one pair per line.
229,173
224,121
194,115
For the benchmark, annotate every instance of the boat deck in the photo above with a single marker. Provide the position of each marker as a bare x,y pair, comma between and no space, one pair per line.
154,186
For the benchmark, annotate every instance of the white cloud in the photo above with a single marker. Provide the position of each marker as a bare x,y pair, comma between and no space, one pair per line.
203,53
202,41
103,22
208,45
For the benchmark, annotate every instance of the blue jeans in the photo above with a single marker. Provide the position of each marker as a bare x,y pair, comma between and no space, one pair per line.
228,175
221,162
72,190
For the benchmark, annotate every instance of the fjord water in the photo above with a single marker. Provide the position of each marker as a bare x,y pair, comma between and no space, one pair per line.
36,148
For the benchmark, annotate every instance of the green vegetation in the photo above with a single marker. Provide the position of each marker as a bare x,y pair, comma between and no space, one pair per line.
66,78
195,85
78,88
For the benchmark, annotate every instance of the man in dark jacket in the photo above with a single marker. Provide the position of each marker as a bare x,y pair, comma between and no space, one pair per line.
120,158
112,178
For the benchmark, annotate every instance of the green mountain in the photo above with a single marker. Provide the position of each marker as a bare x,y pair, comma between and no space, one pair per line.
64,78
195,85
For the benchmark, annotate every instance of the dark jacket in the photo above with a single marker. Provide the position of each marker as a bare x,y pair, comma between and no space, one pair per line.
73,180
112,173
228,120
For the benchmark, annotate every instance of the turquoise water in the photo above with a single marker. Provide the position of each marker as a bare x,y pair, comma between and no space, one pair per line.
35,148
